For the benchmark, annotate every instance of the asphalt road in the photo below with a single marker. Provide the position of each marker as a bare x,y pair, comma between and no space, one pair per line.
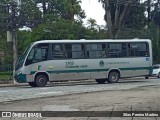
65,88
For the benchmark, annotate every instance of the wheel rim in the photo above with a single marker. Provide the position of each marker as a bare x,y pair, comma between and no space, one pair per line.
42,81
114,77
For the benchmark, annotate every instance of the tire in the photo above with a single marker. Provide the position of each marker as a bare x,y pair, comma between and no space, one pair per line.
146,77
32,84
41,81
101,81
158,75
113,77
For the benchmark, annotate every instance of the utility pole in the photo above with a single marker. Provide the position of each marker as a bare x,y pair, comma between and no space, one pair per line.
14,34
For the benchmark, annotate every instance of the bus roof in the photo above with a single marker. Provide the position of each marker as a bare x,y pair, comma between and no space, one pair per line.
88,41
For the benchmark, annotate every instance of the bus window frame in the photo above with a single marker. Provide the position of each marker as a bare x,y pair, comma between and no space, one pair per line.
121,51
147,48
35,47
83,50
62,50
102,43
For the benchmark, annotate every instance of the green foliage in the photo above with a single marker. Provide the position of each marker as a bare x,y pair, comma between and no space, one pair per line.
6,48
156,18
23,37
5,73
55,20
5,77
4,16
30,15
62,29
136,18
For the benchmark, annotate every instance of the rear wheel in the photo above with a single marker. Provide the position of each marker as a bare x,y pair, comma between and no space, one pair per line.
113,77
41,81
158,75
101,81
146,77
32,84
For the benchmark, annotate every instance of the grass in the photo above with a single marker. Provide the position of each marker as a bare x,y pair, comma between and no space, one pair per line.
5,77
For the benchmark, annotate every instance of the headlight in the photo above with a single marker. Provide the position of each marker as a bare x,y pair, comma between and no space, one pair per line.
19,73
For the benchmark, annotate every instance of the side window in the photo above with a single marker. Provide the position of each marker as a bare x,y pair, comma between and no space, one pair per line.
133,50
57,51
38,53
143,49
74,51
117,50
138,49
96,50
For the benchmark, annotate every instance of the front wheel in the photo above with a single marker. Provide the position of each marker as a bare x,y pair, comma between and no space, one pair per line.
101,81
113,77
41,81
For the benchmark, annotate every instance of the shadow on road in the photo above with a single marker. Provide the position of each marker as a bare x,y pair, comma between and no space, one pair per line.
93,82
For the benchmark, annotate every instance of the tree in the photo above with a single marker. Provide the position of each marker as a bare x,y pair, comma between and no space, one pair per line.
152,7
149,10
136,19
30,15
56,9
116,11
61,29
44,6
92,24
156,18
4,15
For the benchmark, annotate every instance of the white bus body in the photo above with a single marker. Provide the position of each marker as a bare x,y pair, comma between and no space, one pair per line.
104,60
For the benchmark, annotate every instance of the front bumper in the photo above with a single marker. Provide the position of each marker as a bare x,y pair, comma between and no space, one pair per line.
20,78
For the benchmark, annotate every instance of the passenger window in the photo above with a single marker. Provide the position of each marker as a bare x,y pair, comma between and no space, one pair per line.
57,52
74,51
138,49
37,54
96,50
117,50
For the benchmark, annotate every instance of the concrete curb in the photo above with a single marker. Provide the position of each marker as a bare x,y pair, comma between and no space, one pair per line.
14,85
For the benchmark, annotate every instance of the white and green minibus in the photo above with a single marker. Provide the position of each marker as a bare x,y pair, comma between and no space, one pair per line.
103,60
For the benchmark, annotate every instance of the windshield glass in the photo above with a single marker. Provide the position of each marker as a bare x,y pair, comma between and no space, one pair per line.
155,67
22,57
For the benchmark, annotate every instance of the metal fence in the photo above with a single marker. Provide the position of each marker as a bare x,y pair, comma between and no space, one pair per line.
6,73
6,68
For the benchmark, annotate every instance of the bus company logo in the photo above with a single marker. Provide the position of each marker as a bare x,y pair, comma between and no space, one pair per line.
101,63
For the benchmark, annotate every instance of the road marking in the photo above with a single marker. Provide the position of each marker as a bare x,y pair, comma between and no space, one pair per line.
49,93
6,91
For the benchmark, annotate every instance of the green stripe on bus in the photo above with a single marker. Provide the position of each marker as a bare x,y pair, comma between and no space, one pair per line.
96,70
136,68
69,71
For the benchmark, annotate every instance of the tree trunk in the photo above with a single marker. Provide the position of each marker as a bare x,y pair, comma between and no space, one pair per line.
149,10
109,22
44,7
